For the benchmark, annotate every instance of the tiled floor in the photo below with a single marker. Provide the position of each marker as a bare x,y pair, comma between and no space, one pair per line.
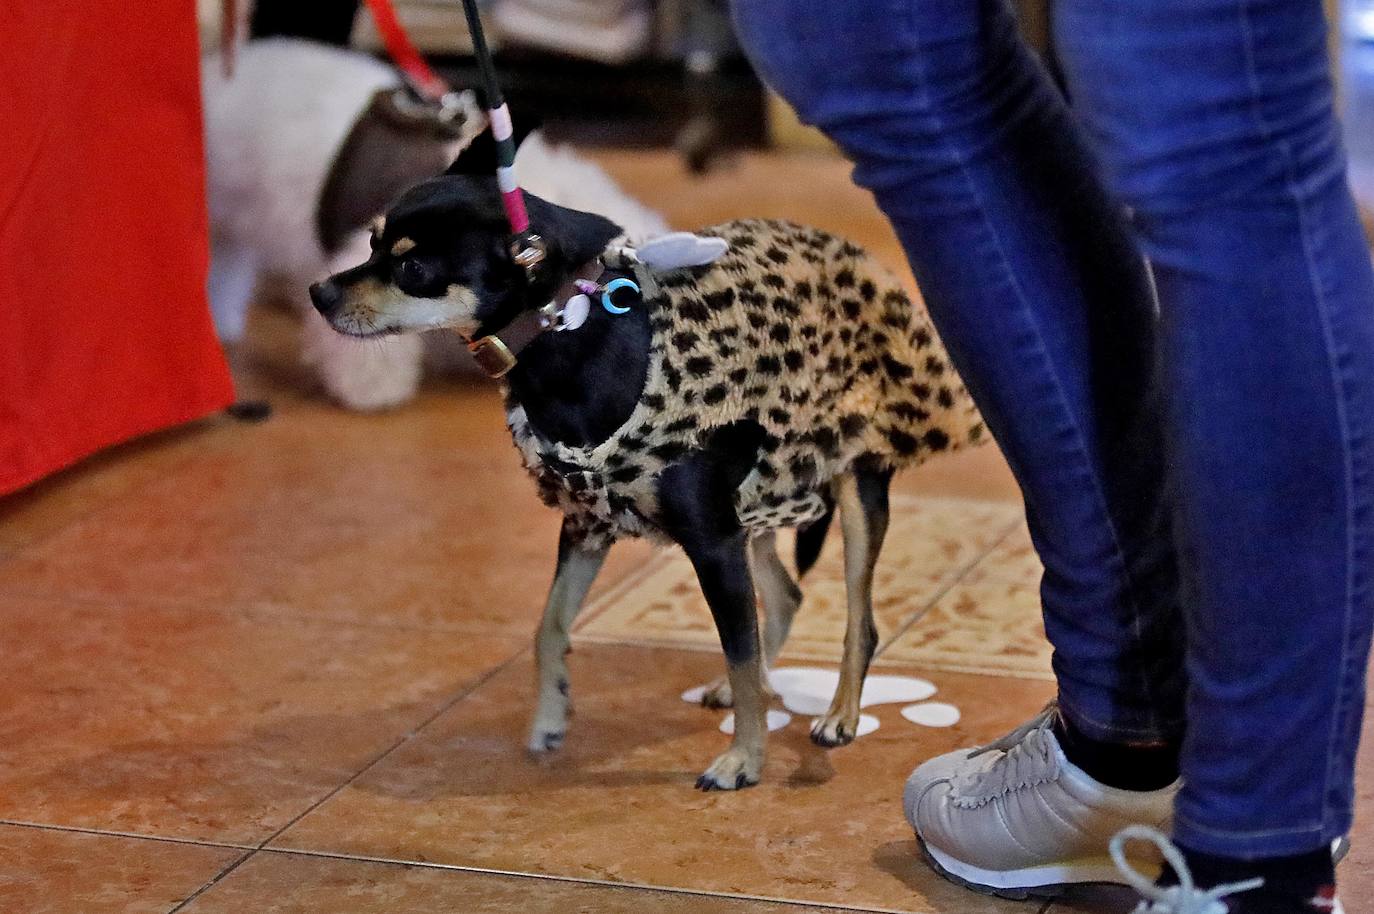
284,668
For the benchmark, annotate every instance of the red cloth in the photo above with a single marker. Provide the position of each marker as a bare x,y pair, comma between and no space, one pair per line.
105,333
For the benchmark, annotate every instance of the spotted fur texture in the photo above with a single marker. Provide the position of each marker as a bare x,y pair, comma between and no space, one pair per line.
794,329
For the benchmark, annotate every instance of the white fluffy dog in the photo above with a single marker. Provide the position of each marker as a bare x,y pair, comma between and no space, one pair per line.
273,133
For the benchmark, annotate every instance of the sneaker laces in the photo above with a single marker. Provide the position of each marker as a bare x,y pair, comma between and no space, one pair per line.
1026,759
1184,898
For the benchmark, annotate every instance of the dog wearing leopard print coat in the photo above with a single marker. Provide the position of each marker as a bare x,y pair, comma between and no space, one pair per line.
706,405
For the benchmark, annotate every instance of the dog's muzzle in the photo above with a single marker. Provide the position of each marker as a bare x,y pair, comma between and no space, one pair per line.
326,296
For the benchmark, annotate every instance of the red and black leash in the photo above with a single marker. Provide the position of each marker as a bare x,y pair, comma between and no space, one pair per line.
527,248
404,54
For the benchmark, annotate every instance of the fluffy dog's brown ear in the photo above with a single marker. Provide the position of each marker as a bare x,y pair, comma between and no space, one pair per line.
480,156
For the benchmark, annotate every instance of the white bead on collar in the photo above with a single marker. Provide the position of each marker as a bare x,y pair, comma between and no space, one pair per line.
574,312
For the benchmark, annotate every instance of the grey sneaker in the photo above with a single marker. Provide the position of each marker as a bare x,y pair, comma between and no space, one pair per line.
1016,818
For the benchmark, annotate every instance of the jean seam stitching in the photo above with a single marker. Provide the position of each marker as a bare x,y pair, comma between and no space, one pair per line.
1342,416
1313,828
1078,717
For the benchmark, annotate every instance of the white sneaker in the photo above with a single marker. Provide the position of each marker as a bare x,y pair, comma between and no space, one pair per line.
1016,818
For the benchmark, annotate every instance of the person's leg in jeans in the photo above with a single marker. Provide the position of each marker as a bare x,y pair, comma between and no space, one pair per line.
1024,265
1033,279
1214,119
1040,296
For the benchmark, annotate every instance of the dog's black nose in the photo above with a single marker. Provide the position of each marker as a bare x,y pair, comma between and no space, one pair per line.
326,296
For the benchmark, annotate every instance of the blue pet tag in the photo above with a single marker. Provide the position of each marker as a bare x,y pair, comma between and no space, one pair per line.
613,286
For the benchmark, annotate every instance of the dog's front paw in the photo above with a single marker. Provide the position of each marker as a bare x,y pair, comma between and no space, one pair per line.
543,742
733,770
549,729
834,730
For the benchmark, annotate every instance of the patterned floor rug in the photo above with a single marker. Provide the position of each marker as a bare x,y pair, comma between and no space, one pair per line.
956,589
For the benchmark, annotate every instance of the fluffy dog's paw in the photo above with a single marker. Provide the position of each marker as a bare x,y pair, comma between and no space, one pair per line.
733,770
834,730
718,695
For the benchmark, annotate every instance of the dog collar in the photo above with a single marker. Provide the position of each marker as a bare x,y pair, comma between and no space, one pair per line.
497,353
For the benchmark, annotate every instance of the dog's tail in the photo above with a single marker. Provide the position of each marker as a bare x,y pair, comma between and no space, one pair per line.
810,539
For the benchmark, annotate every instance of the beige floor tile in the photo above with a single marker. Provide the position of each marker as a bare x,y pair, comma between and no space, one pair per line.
618,802
981,474
988,622
989,627
419,517
54,872
205,725
758,185
48,506
273,883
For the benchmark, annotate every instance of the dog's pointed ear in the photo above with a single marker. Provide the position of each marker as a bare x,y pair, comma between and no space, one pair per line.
480,156
573,236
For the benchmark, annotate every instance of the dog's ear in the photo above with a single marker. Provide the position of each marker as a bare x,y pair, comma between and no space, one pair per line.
572,235
480,156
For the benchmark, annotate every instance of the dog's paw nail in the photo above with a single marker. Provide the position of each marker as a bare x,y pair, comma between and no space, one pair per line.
732,771
830,735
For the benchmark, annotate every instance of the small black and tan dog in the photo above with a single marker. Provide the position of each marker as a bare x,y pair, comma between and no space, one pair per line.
706,404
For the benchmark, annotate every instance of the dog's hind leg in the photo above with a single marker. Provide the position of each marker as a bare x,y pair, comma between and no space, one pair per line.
862,496
780,594
780,597
578,564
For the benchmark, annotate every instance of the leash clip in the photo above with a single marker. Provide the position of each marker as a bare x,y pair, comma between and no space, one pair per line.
528,251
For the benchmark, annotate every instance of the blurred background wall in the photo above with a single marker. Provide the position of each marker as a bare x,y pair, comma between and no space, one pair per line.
667,72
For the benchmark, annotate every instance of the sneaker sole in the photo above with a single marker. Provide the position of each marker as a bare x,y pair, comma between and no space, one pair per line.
1033,882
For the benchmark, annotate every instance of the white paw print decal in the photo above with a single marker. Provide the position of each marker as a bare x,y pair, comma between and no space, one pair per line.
807,691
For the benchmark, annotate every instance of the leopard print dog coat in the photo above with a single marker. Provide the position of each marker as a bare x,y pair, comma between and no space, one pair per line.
792,328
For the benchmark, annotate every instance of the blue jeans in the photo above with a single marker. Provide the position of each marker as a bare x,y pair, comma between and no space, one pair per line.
1198,473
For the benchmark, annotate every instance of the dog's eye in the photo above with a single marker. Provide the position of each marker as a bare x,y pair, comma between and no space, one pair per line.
410,272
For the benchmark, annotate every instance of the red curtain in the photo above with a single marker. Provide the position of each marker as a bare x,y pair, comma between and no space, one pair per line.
105,333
